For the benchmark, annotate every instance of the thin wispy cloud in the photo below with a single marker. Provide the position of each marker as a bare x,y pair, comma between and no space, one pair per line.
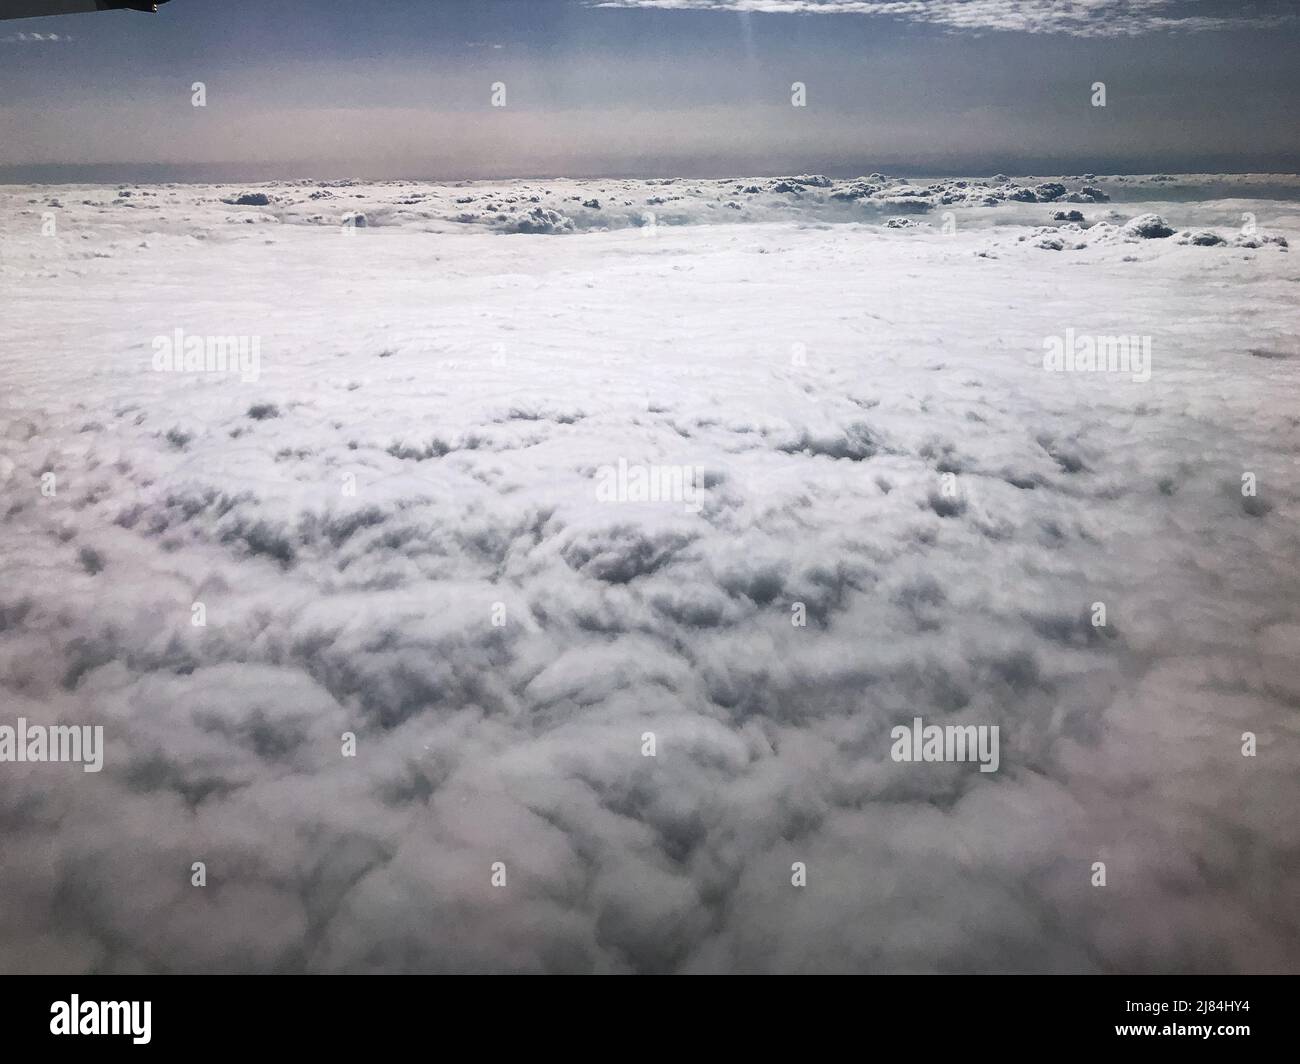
35,38
1082,18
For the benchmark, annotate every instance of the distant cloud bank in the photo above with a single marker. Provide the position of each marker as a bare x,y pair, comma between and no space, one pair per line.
1085,18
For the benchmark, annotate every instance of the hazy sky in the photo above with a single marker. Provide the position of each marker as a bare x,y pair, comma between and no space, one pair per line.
702,87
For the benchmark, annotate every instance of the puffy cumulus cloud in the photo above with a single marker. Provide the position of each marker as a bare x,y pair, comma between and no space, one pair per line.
1085,18
397,531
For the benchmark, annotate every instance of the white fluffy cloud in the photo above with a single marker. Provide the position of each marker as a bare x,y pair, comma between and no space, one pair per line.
1082,18
472,383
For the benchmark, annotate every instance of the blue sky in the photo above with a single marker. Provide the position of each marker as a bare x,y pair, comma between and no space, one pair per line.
647,87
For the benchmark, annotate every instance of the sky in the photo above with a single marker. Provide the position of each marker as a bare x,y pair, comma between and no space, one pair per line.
327,88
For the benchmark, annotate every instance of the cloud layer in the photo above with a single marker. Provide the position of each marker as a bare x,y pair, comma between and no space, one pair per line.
470,383
1084,18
